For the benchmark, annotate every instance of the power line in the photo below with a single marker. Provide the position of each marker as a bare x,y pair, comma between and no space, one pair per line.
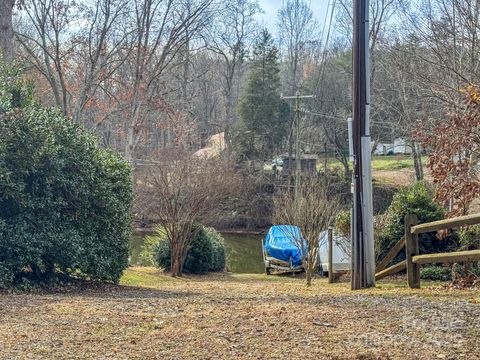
323,115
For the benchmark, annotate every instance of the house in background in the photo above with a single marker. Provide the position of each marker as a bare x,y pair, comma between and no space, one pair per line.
308,163
399,147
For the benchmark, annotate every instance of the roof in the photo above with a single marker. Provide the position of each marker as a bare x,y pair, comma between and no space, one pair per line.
215,145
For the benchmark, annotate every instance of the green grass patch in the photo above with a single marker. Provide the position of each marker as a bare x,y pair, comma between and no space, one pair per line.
379,163
144,277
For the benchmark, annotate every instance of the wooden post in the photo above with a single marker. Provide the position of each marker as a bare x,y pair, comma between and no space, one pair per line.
411,250
330,255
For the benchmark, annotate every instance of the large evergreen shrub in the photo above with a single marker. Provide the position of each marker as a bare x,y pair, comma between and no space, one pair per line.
206,253
65,203
416,199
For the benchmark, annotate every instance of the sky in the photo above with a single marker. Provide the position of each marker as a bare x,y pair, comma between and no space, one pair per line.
271,7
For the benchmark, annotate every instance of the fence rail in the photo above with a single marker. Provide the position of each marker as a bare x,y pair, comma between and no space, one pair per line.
446,224
413,260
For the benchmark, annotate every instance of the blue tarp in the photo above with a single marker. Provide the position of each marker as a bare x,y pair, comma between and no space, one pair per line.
282,243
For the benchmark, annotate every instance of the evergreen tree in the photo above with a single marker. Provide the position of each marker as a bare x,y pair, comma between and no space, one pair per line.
264,116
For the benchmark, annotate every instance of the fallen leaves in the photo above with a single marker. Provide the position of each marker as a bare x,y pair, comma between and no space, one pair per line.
319,323
227,316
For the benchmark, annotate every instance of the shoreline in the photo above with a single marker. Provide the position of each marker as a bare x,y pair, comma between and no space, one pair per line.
149,231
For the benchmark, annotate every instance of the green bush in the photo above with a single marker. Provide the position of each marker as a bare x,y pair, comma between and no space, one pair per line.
469,238
416,199
433,272
206,253
342,223
200,253
65,202
218,250
15,91
163,253
148,250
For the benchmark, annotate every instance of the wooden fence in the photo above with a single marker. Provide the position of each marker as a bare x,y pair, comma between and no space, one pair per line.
413,259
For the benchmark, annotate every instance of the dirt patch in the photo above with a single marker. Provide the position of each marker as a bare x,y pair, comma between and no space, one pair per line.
241,316
401,177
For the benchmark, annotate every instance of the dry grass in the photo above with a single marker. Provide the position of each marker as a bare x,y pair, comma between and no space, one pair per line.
228,316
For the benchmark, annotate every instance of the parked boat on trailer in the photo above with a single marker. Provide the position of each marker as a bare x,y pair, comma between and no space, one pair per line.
341,253
283,248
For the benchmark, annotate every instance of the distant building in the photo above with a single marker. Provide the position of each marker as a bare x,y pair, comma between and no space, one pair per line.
215,145
399,147
308,163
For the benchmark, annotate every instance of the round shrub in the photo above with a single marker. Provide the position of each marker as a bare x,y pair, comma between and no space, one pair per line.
65,202
416,199
199,256
163,253
218,250
206,252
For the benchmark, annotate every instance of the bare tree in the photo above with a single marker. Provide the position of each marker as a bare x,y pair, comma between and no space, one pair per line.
74,46
6,29
230,35
162,29
313,212
185,191
298,33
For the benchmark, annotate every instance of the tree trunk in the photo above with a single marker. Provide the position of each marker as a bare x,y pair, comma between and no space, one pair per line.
417,162
308,273
36,271
6,30
129,146
176,258
176,266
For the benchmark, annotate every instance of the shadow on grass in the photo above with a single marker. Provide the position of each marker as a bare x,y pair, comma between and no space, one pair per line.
128,292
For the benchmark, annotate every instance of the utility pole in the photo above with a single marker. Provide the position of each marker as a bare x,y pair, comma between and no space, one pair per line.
297,98
363,258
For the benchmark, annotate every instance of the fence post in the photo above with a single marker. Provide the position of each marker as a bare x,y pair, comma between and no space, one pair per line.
411,249
330,255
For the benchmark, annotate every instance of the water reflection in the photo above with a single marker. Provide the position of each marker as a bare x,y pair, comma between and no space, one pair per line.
244,252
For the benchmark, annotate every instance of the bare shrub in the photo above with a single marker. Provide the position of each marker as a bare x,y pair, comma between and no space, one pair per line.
183,191
313,212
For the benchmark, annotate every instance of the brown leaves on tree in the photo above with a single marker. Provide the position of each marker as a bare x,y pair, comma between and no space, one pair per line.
454,146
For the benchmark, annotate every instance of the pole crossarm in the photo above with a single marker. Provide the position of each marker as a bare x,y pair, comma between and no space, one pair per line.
298,164
297,97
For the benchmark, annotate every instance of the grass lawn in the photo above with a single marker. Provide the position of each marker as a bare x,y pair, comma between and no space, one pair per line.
379,163
226,316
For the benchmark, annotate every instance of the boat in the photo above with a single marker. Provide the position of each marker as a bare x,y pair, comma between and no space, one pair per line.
283,248
340,254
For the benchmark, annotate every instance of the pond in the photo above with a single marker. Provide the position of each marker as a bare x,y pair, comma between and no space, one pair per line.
243,251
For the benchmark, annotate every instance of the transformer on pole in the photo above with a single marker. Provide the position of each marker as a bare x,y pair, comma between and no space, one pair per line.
363,257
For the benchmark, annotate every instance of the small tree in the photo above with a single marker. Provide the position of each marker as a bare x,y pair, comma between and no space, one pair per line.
182,192
313,211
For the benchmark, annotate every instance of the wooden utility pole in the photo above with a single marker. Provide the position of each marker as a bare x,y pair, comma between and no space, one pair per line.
363,258
298,164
